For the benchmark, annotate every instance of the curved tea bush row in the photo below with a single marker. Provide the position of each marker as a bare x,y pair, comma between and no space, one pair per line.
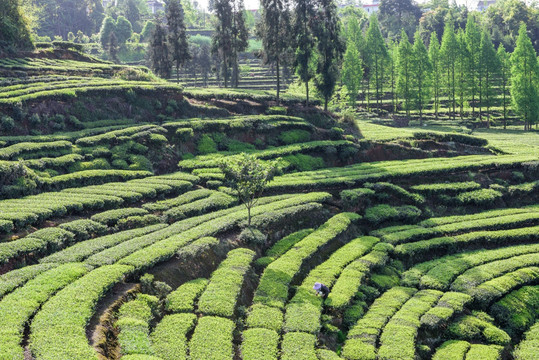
528,348
446,188
133,323
183,298
84,228
15,278
17,308
282,246
59,328
399,335
82,250
362,338
518,309
304,310
463,350
212,339
477,327
490,223
185,198
259,343
273,287
298,346
449,304
352,276
420,249
169,339
479,274
439,273
215,201
165,249
111,217
375,171
219,297
29,149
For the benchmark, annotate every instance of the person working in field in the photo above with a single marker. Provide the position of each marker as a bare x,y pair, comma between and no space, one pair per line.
321,289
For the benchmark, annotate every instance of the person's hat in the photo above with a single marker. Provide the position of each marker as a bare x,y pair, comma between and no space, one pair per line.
317,286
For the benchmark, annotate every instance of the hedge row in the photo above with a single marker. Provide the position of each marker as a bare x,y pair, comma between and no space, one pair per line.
440,273
112,137
212,339
528,348
399,335
490,223
362,338
169,339
305,308
177,201
518,310
216,201
452,350
91,177
282,246
111,217
381,213
219,297
376,171
424,248
450,137
84,228
18,277
58,331
298,346
133,324
273,287
449,304
29,149
215,222
384,189
477,327
446,188
82,250
259,343
352,276
183,298
478,216
18,307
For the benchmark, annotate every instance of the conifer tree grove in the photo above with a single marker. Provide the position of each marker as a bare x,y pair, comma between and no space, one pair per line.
421,71
462,67
222,36
177,36
490,69
376,54
352,72
437,73
330,48
240,38
505,77
524,82
304,43
275,30
473,41
449,54
404,77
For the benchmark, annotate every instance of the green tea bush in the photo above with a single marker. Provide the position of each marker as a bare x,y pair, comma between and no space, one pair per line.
294,136
184,297
206,145
382,213
252,236
169,338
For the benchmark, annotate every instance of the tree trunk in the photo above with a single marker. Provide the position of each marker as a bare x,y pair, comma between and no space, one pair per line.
307,93
177,73
248,216
278,81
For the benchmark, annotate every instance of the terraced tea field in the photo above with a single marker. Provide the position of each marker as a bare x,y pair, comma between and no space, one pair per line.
120,237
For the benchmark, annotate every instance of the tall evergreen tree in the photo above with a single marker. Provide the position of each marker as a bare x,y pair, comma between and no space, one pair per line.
159,52
222,36
463,78
376,54
330,49
490,69
524,82
437,72
393,51
352,72
123,30
421,71
304,42
240,38
275,30
473,41
112,47
449,54
108,27
14,30
177,36
505,77
404,77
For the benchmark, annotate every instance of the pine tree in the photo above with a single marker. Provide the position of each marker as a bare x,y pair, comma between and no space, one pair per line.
504,78
330,49
421,72
275,31
524,82
352,72
222,36
304,43
463,79
376,54
404,69
490,69
473,41
159,52
449,53
240,38
437,73
177,36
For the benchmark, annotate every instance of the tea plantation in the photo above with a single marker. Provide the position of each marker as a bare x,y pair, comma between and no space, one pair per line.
121,238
